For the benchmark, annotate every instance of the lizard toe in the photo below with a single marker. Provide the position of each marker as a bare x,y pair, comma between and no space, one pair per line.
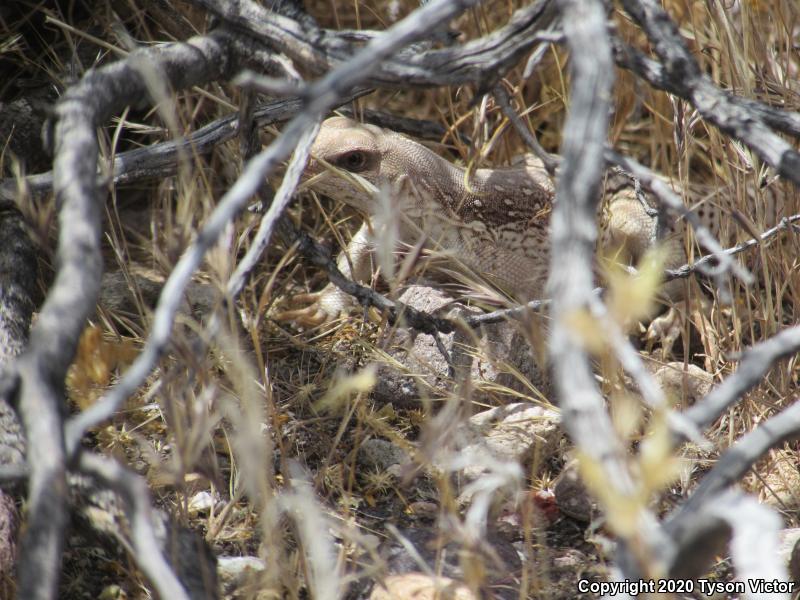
664,330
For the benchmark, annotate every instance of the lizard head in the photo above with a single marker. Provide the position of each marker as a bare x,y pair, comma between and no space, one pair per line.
354,148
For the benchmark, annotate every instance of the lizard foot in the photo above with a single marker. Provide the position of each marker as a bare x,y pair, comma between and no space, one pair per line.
665,329
323,307
310,316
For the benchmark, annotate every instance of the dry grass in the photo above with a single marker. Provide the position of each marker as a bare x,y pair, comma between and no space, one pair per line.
241,419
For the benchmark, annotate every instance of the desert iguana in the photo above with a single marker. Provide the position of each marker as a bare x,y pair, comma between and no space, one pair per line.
495,222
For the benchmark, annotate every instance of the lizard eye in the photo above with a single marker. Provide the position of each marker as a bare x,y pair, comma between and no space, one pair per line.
354,161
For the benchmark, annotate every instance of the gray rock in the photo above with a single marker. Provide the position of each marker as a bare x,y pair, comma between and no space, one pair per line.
511,433
497,358
572,497
236,571
378,455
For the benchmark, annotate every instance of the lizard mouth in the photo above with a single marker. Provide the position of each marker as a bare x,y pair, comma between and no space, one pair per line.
313,167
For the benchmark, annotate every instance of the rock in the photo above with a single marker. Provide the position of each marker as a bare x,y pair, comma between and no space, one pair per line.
570,559
418,586
788,540
512,433
794,555
572,498
496,557
672,376
236,571
378,455
424,510
201,502
416,368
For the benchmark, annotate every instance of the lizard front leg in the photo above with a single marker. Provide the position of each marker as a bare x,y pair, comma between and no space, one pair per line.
355,262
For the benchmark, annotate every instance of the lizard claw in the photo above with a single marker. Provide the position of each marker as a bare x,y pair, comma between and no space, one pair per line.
323,307
312,315
307,298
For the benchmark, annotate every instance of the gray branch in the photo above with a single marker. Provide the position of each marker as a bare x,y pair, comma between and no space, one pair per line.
480,61
737,119
42,367
161,160
654,73
755,362
322,95
573,235
736,460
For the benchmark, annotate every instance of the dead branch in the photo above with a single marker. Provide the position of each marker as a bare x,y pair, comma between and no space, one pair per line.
750,528
736,460
754,364
654,73
161,160
480,61
738,120
573,233
41,369
701,265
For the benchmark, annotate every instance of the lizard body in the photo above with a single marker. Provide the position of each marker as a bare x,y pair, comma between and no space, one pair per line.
496,226
495,222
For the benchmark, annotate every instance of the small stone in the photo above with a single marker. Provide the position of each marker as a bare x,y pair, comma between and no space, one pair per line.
572,498
514,432
424,510
201,502
672,378
570,559
235,571
379,455
418,586
789,551
501,366
794,562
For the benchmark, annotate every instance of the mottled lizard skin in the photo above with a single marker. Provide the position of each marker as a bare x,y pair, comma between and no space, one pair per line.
495,222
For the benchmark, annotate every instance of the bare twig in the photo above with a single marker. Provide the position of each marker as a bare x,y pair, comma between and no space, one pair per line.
701,264
752,529
270,219
161,160
146,548
550,161
654,73
736,460
632,363
573,233
756,361
321,97
736,119
419,320
481,61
